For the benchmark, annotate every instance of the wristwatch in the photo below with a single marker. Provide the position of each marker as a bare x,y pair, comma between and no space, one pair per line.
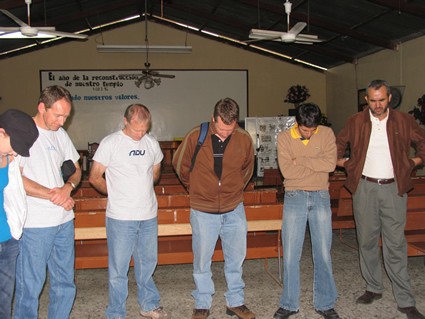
72,184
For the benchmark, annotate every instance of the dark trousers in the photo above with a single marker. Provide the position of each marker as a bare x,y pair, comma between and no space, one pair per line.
380,211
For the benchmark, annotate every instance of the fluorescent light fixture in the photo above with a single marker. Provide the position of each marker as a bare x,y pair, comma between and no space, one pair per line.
144,48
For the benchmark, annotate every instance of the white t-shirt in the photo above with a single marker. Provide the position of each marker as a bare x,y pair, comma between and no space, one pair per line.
129,175
43,166
378,162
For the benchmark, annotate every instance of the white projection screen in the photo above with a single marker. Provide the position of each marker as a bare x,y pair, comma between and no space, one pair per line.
101,97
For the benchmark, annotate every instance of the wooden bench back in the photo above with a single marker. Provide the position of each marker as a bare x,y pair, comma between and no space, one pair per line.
251,197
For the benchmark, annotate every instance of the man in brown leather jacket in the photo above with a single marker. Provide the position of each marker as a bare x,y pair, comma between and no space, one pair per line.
223,167
378,176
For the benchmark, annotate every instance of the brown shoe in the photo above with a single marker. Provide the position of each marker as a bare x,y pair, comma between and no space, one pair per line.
368,297
411,313
157,313
200,313
242,312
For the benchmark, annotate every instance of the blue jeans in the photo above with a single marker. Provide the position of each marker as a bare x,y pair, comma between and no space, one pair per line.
301,207
51,247
9,251
139,239
231,227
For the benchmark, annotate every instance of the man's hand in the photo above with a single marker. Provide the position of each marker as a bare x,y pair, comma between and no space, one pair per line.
60,195
341,162
68,204
417,161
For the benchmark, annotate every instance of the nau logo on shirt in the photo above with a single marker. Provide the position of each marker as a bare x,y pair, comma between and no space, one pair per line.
137,153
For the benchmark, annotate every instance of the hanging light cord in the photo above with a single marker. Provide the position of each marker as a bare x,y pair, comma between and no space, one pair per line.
146,33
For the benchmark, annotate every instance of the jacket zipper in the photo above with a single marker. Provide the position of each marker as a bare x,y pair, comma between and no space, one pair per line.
219,197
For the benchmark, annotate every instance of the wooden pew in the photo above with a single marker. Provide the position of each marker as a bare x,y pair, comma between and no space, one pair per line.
176,221
169,178
415,221
174,231
170,189
338,193
86,190
263,196
264,215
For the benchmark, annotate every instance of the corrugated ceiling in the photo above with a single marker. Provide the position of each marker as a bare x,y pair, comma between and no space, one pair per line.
351,29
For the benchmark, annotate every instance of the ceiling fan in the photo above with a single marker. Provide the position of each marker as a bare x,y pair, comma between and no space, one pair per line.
149,77
25,30
293,35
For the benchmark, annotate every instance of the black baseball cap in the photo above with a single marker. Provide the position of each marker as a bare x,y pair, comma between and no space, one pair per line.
22,130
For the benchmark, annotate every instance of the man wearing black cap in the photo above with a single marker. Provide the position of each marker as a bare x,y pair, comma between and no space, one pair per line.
48,237
17,134
20,128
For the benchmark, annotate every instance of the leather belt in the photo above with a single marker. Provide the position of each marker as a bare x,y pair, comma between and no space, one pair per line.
379,181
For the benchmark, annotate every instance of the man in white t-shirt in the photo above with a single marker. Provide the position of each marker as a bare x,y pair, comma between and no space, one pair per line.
131,160
48,236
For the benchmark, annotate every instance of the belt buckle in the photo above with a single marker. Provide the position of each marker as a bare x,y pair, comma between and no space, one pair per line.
379,181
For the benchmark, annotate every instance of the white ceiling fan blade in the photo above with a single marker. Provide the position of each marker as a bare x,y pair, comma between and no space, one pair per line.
25,33
298,28
39,32
66,34
157,74
42,29
312,40
14,18
316,40
168,76
260,37
9,33
303,42
31,32
257,39
256,33
9,29
288,38
307,36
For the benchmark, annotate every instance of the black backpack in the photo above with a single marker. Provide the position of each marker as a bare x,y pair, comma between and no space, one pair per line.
201,138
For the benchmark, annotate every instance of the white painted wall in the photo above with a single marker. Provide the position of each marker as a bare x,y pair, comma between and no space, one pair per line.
403,67
268,79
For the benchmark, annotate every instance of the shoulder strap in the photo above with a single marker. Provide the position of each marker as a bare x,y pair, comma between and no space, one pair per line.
201,138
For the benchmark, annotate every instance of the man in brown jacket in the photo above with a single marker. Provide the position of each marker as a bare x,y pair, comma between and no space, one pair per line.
378,176
223,167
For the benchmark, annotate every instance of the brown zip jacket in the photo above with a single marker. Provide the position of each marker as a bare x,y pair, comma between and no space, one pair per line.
207,193
402,131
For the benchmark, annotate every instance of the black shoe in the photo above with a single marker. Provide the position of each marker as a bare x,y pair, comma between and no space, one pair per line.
368,297
282,313
328,314
411,313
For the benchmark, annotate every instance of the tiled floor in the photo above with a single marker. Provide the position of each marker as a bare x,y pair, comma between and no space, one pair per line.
261,293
